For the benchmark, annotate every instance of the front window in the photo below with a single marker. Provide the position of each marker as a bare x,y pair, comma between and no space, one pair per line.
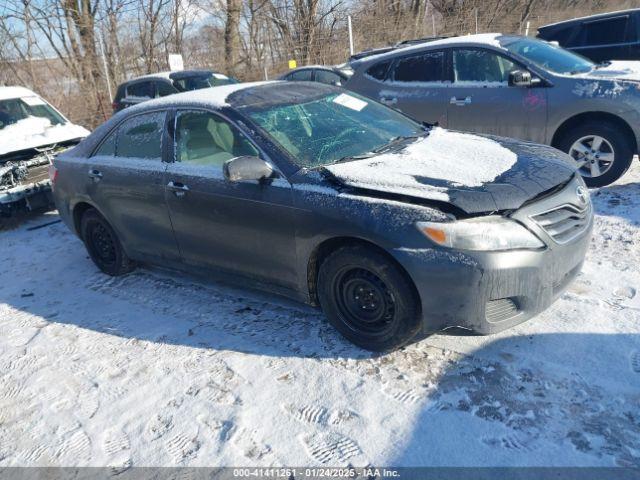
206,80
15,110
550,57
481,66
331,128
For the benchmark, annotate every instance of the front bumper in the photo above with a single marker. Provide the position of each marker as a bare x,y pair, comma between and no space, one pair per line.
488,292
26,197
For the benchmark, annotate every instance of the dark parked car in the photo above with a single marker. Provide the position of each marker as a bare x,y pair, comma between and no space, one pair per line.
516,87
319,73
391,227
608,36
162,84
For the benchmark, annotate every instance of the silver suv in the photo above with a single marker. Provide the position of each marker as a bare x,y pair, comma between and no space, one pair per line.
517,87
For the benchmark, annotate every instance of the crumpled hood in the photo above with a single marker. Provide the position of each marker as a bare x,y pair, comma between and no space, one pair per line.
33,132
475,173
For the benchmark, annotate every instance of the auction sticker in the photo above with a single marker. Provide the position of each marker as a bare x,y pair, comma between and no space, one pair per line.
350,102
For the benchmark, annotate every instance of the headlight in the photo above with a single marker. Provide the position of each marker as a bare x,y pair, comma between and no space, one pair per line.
483,233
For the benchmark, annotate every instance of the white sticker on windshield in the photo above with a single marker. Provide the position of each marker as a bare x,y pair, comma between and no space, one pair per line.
33,101
219,76
350,102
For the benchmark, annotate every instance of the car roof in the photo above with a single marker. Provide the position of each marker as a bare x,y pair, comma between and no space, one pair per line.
480,39
597,16
15,92
177,74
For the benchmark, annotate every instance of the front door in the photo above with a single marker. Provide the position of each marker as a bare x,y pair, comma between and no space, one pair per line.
241,227
481,100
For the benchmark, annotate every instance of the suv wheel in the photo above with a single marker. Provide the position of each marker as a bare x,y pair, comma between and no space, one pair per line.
103,245
602,150
368,299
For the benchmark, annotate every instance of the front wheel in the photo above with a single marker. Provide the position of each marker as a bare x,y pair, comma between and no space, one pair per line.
602,150
368,298
103,245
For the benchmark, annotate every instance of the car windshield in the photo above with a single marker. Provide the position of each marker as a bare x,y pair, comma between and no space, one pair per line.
332,128
197,82
14,110
550,57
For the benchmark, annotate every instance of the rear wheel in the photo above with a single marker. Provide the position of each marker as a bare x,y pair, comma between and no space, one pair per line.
103,244
602,150
368,298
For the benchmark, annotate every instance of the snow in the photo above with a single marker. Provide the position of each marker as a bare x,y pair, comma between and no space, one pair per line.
32,132
436,156
7,93
157,368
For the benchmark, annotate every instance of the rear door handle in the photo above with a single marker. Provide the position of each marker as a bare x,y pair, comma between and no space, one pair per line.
179,189
96,175
461,102
389,101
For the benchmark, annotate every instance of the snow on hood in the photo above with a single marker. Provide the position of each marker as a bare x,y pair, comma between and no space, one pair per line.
450,158
33,132
619,70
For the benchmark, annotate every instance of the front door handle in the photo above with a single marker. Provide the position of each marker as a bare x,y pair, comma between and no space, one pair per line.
95,175
179,189
461,102
388,101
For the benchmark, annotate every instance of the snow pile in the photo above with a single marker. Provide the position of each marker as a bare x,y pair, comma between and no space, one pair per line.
460,159
32,132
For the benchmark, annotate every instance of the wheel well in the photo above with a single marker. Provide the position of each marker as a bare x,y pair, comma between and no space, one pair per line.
598,117
78,212
331,245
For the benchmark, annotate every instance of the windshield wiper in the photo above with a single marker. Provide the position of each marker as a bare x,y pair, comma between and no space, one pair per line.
350,158
395,142
604,64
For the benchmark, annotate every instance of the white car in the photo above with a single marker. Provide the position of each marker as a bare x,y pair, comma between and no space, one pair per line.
32,132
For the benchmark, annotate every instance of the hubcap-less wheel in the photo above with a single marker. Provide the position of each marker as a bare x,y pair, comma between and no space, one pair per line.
365,302
594,154
103,244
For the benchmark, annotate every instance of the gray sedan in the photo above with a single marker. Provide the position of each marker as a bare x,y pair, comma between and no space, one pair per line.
306,190
516,87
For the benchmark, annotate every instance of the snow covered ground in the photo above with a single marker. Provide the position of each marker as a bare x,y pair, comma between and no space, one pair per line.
156,368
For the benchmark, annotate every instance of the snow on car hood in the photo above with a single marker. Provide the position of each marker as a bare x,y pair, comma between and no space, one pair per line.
616,70
475,173
35,132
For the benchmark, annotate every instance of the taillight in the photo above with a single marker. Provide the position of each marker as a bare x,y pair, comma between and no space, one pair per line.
53,174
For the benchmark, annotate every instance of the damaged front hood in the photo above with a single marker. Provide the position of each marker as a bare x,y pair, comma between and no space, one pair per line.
474,173
36,132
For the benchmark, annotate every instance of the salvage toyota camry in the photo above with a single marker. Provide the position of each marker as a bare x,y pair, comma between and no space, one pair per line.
390,226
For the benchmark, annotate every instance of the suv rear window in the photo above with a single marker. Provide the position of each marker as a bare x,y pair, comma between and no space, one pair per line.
424,67
379,70
141,89
602,32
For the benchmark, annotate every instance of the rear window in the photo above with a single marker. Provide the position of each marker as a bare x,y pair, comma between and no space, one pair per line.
379,70
141,89
603,32
425,67
141,136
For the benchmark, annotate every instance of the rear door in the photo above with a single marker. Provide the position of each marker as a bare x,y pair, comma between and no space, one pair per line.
481,100
241,227
125,180
418,85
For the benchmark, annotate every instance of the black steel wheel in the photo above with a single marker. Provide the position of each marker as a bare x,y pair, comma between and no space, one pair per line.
368,298
103,244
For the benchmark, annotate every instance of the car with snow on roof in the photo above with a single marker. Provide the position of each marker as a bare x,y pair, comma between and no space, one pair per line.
517,87
304,189
32,132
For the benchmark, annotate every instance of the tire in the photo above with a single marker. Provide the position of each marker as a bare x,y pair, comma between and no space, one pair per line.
617,140
103,245
353,275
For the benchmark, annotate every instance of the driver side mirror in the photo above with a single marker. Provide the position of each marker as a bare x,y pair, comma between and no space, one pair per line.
520,78
245,168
